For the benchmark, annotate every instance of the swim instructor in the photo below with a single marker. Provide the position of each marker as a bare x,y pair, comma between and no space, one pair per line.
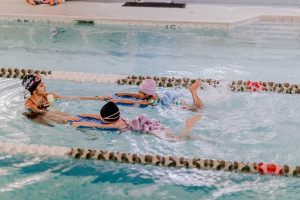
39,99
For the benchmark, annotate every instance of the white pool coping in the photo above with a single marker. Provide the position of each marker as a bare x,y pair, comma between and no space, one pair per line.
192,15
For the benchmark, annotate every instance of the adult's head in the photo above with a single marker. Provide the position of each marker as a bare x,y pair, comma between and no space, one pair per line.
34,84
110,112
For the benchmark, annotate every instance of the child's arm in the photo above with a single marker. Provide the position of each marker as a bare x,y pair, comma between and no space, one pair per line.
70,98
130,102
95,116
94,125
125,94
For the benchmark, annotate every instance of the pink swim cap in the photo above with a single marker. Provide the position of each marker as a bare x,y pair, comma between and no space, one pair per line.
148,86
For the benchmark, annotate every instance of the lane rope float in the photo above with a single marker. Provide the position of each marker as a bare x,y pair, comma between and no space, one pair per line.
60,75
147,159
259,86
165,81
236,86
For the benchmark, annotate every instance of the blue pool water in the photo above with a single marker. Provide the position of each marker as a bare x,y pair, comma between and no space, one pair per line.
235,126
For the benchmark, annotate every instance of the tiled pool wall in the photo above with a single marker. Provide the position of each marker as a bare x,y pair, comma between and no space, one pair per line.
127,24
144,24
209,27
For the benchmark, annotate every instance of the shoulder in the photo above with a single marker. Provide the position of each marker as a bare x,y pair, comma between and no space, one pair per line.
122,123
30,101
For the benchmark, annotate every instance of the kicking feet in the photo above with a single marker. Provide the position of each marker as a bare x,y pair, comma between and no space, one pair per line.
194,86
198,104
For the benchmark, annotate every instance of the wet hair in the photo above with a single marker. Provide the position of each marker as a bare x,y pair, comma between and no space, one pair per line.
110,112
30,82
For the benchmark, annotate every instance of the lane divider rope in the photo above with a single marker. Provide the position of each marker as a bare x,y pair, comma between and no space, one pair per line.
236,86
147,159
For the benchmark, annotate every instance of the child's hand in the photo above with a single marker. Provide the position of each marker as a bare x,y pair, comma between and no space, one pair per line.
103,98
119,94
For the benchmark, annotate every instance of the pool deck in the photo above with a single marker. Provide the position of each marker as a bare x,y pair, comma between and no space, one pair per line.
193,14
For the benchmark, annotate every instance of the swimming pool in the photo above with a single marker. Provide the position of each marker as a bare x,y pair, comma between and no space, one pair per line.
235,126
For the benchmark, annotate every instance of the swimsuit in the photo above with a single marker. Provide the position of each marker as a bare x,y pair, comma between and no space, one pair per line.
154,102
42,105
144,124
171,98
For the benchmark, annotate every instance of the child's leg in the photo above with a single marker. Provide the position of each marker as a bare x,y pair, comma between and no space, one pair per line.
169,134
198,104
196,99
189,125
31,2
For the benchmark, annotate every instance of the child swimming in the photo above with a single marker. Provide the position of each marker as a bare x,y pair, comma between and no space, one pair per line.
147,96
110,118
147,93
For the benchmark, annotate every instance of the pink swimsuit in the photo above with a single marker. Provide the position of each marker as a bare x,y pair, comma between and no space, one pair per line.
144,124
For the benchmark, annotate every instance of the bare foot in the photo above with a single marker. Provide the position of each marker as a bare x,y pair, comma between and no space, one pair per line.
31,2
195,86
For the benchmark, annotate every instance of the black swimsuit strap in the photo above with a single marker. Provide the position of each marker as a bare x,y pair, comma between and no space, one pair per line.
125,122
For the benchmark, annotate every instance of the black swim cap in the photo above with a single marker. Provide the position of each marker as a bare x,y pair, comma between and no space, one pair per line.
30,82
110,112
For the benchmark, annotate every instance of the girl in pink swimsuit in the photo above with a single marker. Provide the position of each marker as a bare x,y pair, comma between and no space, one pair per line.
110,119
